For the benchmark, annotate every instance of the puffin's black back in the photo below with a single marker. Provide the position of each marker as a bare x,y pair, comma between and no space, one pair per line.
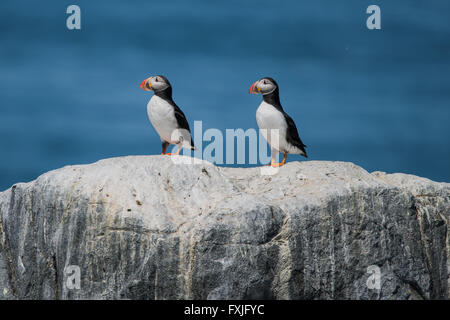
292,134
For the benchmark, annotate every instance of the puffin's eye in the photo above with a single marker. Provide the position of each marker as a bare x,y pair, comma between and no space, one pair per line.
265,81
156,79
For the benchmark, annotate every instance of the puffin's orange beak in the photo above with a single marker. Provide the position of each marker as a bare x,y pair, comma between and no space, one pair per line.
253,87
144,85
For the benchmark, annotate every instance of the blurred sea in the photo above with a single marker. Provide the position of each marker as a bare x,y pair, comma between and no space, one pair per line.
380,98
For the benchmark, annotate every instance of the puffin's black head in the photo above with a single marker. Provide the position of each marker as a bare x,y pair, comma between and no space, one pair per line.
156,84
264,86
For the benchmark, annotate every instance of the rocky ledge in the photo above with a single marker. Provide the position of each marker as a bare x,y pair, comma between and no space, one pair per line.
144,227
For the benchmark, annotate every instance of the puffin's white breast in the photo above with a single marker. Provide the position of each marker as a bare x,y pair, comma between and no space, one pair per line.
162,116
273,127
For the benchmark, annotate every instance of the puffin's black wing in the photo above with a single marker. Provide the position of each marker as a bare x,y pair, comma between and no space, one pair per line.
292,134
181,120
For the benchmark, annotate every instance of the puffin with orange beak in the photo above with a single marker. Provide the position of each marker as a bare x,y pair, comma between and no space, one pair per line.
165,116
275,125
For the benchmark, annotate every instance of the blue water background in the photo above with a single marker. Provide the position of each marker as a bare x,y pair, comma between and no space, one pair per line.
380,99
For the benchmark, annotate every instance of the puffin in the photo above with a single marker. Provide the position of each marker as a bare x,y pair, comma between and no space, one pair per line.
276,126
165,116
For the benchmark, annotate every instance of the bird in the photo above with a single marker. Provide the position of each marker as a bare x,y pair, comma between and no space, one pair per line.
276,126
165,116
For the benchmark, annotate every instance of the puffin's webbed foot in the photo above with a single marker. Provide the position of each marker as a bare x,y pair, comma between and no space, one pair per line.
275,164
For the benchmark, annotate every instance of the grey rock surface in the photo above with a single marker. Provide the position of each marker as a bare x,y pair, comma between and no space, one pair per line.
144,227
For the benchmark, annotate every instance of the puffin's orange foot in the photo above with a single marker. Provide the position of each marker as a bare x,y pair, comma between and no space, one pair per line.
169,154
275,165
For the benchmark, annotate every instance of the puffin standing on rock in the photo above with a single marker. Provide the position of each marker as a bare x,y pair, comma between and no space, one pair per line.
276,126
166,117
